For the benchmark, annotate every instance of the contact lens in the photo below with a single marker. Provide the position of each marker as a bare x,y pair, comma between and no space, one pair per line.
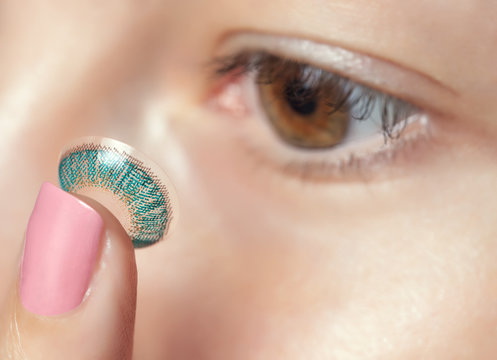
126,182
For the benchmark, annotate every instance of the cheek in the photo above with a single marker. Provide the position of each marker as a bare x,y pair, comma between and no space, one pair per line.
399,270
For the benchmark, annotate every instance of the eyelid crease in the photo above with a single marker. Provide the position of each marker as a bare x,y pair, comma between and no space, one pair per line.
381,74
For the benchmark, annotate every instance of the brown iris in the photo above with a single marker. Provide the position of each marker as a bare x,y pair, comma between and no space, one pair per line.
304,110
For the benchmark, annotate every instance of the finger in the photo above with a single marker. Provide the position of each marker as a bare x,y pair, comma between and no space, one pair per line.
76,294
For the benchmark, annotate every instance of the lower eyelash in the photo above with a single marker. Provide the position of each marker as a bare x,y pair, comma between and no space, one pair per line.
363,167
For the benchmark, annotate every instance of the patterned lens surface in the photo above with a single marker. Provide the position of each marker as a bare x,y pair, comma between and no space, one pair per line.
129,185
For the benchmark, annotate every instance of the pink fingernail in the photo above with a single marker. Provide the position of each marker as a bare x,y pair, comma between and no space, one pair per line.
62,241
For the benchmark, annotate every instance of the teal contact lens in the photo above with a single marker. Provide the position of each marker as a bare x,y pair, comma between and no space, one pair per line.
133,188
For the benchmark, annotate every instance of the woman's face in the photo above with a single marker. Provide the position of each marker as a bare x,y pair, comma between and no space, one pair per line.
365,250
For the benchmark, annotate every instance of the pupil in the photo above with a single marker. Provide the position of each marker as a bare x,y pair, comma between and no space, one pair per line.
301,99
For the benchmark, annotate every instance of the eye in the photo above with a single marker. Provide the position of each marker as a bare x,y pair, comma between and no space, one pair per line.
304,111
320,116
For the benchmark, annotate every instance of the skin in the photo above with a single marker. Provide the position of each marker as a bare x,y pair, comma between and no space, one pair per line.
264,264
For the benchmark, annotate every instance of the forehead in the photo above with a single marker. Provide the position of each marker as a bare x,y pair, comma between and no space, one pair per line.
437,36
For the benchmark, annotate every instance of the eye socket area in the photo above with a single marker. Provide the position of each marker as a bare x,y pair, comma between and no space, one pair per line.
311,122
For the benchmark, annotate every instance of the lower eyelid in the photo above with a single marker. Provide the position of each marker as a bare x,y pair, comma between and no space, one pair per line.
378,160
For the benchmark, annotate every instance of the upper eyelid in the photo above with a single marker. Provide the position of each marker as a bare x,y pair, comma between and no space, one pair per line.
379,74
228,64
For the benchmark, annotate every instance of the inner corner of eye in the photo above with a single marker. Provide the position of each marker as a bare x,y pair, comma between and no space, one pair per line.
228,97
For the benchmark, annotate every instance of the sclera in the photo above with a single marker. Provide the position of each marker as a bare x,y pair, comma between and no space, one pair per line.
126,182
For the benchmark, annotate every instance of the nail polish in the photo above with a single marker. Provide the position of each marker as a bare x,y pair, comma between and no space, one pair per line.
60,250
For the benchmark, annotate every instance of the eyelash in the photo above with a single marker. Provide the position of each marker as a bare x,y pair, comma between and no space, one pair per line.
394,111
330,165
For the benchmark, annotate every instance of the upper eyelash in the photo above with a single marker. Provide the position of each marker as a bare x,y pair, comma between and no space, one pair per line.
394,111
